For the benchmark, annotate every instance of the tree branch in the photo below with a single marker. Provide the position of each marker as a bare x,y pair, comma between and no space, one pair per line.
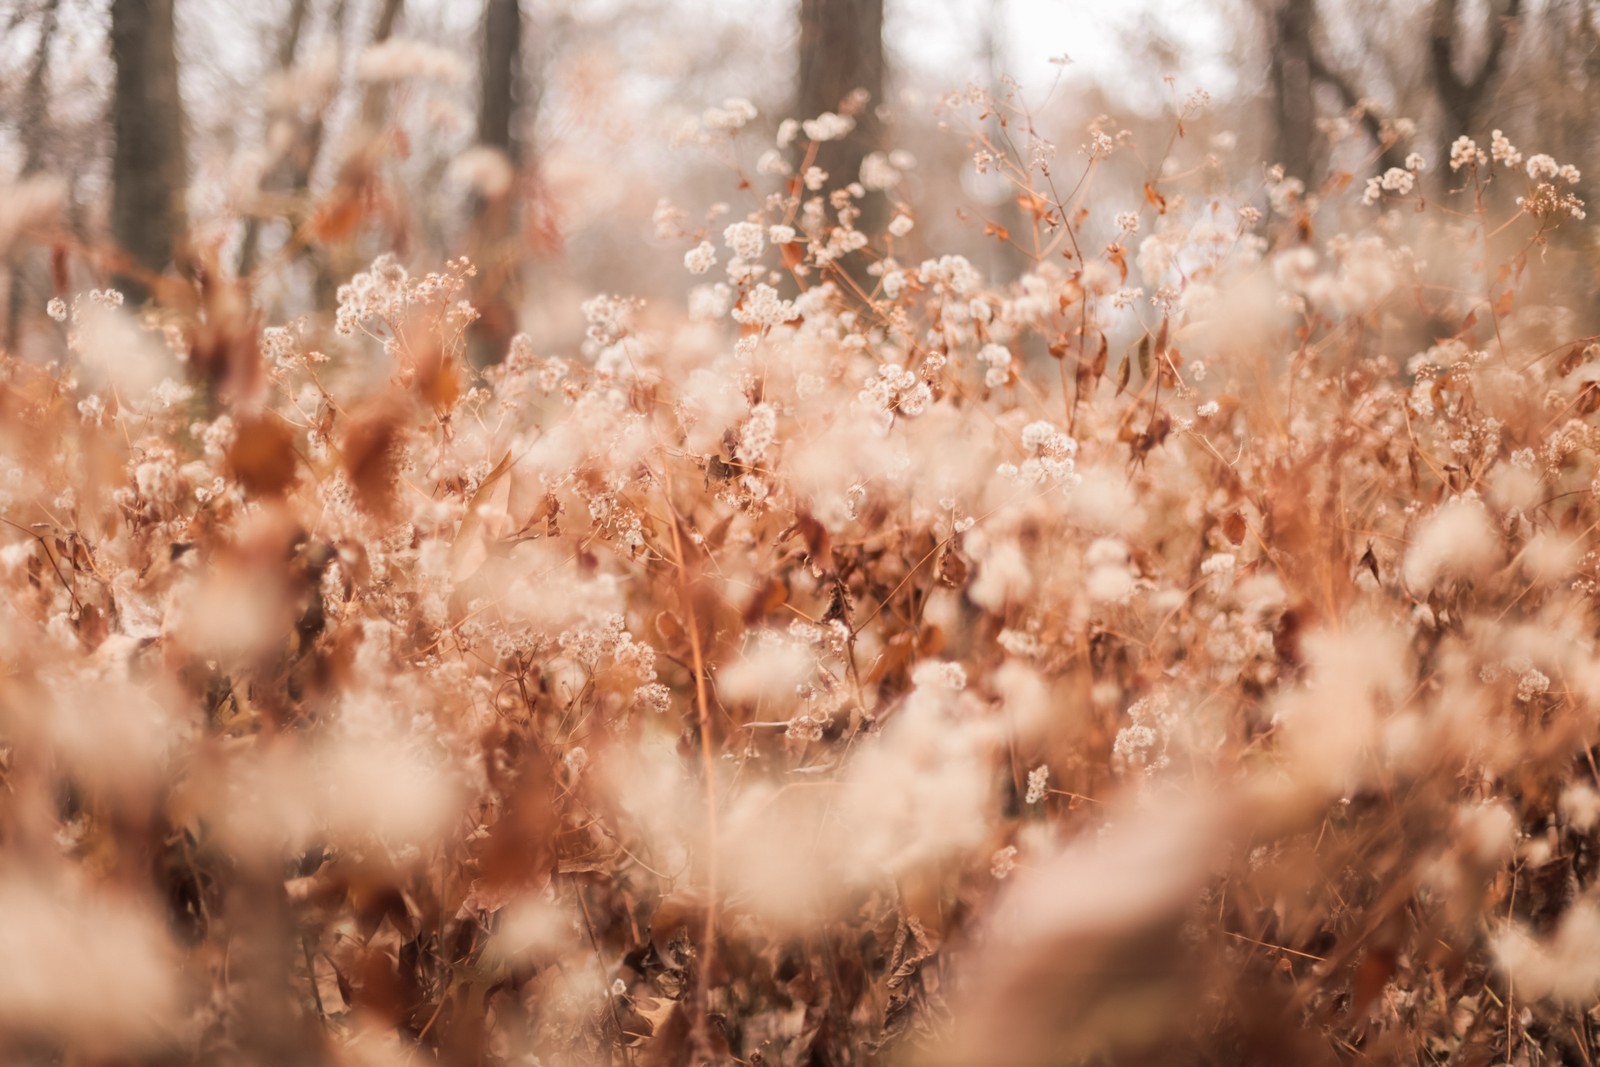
1389,153
1461,97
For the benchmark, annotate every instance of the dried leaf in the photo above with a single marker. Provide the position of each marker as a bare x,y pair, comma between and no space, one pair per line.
370,459
819,544
262,456
1101,357
951,569
437,379
1572,360
1119,256
769,598
671,628
1034,205
1370,561
471,546
60,280
1588,399
1234,528
669,1044
338,216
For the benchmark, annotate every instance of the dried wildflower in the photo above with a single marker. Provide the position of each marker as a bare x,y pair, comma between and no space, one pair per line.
828,127
953,273
1464,152
1003,862
1542,167
942,675
763,307
1580,804
397,59
1393,180
745,240
701,258
1562,966
734,114
822,567
1038,783
879,172
805,728
1456,541
1100,145
1503,151
670,220
485,170
82,967
1532,684
998,359
759,432
1219,567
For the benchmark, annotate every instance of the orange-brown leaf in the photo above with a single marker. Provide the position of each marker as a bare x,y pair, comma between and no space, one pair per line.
1034,205
337,217
262,456
1233,527
370,459
1119,255
793,253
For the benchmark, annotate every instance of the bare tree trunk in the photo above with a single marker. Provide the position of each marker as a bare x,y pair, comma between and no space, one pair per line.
1295,69
36,91
494,238
1293,107
376,96
281,177
357,171
1390,151
842,69
148,167
502,51
1588,47
1462,97
841,51
35,103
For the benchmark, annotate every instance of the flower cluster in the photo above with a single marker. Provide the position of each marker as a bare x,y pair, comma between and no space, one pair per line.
814,666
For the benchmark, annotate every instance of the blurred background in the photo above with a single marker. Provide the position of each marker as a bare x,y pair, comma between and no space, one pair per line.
562,143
